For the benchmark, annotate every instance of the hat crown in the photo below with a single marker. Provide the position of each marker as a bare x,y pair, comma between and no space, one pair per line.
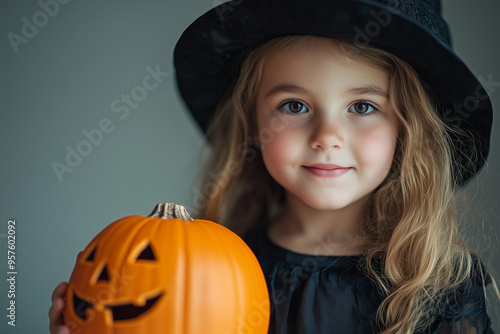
425,13
435,4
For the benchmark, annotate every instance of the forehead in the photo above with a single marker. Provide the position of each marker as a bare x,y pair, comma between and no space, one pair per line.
317,59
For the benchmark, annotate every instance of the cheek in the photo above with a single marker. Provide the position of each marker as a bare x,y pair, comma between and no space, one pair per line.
374,149
280,149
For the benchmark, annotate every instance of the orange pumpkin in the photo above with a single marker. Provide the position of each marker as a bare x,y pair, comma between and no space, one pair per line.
167,273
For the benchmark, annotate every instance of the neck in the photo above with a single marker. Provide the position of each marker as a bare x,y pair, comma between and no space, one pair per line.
325,232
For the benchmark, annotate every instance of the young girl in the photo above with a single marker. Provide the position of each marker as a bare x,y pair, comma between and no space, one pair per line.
337,151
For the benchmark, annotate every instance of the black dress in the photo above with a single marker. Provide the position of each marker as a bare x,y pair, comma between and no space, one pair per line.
331,294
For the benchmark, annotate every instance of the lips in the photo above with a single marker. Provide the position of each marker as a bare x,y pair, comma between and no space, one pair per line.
327,170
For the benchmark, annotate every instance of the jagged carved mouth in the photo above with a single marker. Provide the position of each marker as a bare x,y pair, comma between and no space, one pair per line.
119,312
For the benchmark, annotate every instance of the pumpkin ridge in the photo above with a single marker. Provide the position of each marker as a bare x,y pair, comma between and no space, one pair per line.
187,280
237,280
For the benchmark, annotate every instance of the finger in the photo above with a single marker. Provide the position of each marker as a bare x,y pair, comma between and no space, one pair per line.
59,330
55,312
63,330
59,291
56,318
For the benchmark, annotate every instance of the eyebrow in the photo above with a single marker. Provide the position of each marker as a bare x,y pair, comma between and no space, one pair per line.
370,89
284,89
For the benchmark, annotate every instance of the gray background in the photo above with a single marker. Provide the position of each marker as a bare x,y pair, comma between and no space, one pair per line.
64,80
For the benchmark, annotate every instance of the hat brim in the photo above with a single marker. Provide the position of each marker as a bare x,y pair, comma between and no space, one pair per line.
207,53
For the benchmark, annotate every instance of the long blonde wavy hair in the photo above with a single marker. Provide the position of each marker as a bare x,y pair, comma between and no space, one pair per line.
412,223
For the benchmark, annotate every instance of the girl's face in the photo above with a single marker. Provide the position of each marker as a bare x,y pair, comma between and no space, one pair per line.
326,125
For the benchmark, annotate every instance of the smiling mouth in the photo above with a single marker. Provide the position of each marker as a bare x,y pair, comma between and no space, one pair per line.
119,312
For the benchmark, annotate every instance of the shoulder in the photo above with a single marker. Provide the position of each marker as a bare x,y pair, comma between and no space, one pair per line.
464,305
479,277
473,288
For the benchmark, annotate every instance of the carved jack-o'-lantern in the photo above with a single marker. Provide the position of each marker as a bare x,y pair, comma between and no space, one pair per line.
167,273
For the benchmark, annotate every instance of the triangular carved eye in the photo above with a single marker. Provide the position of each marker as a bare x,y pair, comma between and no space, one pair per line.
91,256
147,254
104,276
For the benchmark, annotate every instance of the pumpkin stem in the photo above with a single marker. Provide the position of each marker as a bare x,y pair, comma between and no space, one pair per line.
170,211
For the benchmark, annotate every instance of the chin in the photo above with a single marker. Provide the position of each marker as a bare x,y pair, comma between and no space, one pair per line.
327,204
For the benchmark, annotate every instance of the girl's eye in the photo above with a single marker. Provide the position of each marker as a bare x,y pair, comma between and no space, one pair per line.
362,108
294,107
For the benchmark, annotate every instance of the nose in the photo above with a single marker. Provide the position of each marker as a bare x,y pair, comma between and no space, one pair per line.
327,134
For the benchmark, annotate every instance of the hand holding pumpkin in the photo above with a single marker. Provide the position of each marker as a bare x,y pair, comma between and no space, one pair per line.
55,313
165,273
